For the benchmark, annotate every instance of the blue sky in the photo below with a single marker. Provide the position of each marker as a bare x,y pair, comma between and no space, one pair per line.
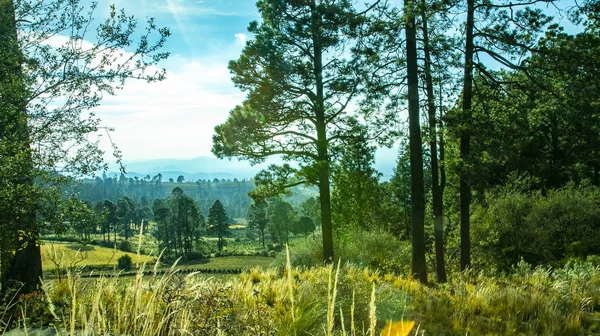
175,118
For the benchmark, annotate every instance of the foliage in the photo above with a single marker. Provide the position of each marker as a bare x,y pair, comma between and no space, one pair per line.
257,218
310,208
179,222
125,246
124,263
303,225
355,196
218,222
302,77
281,216
539,229
376,249
45,138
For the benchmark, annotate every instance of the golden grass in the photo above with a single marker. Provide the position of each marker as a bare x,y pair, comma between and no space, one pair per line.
74,254
328,300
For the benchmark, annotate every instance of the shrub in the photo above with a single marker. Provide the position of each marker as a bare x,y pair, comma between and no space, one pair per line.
124,263
125,246
193,256
376,249
540,229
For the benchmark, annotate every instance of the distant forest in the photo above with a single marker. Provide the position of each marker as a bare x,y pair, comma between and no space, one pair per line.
232,193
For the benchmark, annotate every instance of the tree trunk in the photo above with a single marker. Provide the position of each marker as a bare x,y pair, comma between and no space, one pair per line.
323,157
438,219
21,263
359,192
465,142
417,189
326,227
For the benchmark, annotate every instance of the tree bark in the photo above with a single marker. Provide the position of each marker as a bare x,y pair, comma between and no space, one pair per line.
436,191
21,264
419,268
465,142
322,143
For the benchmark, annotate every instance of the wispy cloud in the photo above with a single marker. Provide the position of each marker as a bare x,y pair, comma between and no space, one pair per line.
175,117
197,8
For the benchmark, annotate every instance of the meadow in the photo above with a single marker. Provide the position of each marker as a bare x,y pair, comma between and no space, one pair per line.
65,256
69,255
340,299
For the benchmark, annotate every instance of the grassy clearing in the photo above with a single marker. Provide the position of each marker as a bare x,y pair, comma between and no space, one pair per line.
69,255
74,254
322,301
220,263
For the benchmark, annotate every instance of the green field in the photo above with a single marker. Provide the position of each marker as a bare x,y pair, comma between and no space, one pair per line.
233,262
74,254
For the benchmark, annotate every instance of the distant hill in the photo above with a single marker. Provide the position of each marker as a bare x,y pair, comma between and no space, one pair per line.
174,174
201,167
205,167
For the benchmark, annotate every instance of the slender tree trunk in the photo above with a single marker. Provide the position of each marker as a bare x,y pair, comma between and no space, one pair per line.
262,233
323,156
417,189
359,192
438,206
465,142
21,261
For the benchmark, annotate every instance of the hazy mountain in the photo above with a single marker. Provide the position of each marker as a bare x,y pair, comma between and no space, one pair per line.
201,167
205,167
174,174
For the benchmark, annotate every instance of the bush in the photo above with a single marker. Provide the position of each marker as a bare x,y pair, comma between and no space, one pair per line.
194,256
124,263
540,229
376,249
125,246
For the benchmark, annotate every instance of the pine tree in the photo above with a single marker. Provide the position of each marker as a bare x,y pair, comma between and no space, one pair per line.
218,222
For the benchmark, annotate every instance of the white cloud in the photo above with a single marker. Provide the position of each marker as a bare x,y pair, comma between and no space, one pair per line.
241,37
175,117
172,118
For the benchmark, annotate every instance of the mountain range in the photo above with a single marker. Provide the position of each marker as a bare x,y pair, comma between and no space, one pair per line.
205,167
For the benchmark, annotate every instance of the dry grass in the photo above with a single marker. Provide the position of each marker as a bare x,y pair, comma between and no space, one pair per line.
328,300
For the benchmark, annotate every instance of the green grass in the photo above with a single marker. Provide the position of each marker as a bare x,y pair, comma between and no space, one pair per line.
322,301
220,263
74,254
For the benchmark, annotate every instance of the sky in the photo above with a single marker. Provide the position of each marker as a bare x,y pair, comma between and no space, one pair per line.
175,118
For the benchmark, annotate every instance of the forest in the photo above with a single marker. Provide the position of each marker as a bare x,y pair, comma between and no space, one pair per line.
489,224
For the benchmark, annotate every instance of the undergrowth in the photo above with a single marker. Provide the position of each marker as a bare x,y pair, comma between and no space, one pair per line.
326,300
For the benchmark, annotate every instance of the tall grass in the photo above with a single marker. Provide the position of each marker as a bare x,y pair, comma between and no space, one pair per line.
329,300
